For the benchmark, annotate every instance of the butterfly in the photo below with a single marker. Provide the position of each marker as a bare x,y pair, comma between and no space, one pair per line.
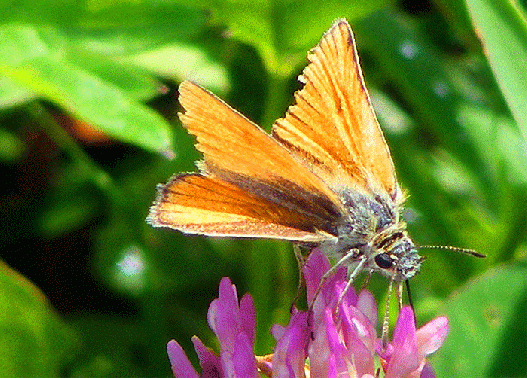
324,177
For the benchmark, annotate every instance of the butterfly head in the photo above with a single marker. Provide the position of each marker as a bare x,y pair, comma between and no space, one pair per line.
396,256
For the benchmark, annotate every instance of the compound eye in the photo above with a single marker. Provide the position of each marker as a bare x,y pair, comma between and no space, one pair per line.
383,261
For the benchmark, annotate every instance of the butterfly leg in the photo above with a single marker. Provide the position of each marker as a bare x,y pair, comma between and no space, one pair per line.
386,320
349,257
351,278
400,294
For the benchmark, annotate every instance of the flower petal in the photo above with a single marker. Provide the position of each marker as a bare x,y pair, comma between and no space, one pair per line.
428,371
366,304
248,317
432,335
181,366
278,330
315,267
290,351
235,328
404,358
340,358
224,315
318,351
210,363
240,363
359,337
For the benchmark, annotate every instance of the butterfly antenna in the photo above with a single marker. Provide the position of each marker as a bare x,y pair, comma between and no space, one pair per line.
464,251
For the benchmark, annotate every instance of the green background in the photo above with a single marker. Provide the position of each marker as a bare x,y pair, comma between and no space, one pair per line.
88,127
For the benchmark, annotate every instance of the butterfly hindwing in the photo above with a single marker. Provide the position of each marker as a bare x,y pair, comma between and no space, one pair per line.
197,204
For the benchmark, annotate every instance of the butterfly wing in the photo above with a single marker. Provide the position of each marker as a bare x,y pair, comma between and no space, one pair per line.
239,158
197,204
332,126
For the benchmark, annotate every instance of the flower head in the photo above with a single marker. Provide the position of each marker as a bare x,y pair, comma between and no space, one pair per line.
338,339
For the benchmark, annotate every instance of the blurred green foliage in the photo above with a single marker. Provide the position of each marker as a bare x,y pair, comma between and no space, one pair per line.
88,97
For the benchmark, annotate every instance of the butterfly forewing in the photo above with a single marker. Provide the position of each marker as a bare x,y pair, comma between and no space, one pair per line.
332,126
239,152
251,185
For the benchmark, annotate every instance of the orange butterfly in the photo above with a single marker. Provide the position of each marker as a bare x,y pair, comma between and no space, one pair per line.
324,177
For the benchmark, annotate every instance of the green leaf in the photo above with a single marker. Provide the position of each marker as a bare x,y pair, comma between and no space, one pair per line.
134,81
13,94
497,140
66,213
38,64
172,62
456,13
34,342
112,27
112,346
284,30
502,27
487,327
513,148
